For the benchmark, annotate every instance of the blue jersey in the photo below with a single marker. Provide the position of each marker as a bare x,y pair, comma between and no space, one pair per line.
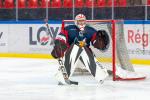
72,34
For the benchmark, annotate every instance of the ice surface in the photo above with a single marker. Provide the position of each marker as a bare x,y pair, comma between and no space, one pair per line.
33,79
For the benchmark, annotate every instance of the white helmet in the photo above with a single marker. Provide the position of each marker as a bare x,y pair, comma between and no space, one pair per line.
78,18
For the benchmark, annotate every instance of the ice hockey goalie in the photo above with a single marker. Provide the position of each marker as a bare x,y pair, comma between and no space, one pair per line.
73,44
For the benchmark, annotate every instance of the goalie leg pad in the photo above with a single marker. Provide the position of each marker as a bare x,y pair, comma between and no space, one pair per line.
60,78
93,66
71,58
61,81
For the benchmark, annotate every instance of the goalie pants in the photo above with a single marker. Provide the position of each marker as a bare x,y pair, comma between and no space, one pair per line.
76,53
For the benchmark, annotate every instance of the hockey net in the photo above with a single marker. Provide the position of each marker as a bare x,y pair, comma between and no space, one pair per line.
116,57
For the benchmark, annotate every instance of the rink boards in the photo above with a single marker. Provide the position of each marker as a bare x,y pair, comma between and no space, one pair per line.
29,39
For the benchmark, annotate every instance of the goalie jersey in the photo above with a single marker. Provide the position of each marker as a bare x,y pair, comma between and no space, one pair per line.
72,34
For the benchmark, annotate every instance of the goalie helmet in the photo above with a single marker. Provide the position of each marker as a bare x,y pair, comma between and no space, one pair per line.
80,21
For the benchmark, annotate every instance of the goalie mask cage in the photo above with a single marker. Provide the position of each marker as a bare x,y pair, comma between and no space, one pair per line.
116,56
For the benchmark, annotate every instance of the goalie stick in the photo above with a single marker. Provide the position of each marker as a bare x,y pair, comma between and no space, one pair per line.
61,65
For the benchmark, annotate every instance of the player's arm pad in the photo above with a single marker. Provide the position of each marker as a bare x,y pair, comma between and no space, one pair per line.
102,40
59,48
